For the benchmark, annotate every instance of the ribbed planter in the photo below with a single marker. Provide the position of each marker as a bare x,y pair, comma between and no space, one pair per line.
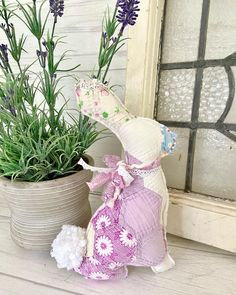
38,210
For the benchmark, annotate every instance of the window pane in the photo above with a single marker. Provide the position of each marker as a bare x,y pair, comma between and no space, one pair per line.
182,27
176,95
212,150
214,165
214,95
221,29
231,117
174,165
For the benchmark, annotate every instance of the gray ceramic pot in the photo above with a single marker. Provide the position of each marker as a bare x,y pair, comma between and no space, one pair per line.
38,210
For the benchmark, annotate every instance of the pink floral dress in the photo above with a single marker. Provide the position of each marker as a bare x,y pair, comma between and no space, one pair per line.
129,233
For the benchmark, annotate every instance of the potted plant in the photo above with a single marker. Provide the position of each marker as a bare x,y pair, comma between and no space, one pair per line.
39,147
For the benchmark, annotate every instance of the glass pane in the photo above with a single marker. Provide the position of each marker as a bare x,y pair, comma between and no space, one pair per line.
215,154
221,40
174,165
214,165
176,95
182,27
231,117
214,95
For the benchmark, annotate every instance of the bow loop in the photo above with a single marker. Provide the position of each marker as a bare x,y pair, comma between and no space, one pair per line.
98,181
117,177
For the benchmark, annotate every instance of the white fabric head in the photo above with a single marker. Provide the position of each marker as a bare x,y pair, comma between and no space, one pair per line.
142,138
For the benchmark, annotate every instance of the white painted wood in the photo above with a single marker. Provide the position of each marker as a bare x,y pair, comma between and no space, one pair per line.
10,285
143,55
176,241
4,210
203,219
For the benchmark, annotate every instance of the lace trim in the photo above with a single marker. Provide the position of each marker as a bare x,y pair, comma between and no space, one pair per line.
144,173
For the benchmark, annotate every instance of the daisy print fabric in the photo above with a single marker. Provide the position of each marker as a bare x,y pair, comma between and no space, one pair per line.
114,246
104,246
127,238
99,276
115,265
93,261
102,222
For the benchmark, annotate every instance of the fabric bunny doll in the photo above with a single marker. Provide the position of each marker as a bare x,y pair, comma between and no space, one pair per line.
129,228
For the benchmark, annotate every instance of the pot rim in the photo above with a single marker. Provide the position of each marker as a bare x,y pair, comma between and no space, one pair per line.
51,183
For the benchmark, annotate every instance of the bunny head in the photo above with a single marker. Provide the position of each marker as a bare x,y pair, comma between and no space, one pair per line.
144,138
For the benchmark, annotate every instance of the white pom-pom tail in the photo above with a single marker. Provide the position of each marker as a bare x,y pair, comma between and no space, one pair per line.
69,247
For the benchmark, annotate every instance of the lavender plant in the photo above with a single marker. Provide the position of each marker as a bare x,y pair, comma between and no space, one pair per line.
112,40
36,141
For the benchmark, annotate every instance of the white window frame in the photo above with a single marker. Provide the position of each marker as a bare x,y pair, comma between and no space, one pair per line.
193,216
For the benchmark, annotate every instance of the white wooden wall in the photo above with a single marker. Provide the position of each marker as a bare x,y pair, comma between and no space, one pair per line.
81,25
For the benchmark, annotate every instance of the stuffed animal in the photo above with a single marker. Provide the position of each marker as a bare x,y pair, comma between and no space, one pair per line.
129,228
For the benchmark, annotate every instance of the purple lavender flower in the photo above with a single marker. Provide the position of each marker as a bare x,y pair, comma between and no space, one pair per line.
4,53
53,76
7,28
57,7
104,39
127,12
42,57
41,53
114,39
4,56
2,26
49,45
7,101
44,43
12,110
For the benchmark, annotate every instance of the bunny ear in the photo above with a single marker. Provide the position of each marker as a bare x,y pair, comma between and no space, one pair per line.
98,102
168,141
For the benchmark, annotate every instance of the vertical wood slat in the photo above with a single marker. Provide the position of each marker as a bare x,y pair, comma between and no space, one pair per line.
143,55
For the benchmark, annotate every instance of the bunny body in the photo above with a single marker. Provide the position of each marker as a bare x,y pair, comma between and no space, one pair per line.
129,228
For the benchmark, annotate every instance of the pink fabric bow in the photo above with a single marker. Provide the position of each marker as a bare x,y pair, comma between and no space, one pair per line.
116,178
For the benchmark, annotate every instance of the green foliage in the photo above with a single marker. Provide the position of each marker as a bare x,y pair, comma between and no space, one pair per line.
110,43
36,141
31,151
32,18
